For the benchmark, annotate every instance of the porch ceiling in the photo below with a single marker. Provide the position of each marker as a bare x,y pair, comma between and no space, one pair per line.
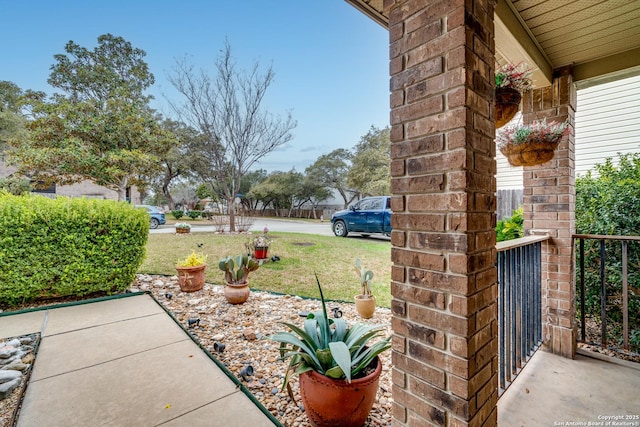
599,38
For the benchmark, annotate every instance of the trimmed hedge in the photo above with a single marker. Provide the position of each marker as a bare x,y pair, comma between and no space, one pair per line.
61,247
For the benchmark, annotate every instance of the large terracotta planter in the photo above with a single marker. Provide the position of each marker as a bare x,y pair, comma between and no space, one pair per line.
237,294
191,279
365,306
183,230
260,253
507,105
330,403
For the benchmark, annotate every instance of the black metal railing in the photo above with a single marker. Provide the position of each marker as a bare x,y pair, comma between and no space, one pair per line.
607,285
519,305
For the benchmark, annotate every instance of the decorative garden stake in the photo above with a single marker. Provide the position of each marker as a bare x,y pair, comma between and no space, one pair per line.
246,373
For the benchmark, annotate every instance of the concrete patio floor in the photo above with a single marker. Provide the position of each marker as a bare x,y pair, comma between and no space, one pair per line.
554,391
124,362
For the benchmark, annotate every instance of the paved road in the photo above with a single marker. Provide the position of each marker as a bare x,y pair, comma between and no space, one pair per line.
284,225
290,226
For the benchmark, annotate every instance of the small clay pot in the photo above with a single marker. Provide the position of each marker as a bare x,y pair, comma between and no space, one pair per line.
365,306
191,279
237,294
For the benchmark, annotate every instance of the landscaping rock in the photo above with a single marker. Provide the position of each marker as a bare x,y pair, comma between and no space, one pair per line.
243,328
7,388
6,376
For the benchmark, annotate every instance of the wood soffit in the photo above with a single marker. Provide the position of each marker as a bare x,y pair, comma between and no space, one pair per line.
600,39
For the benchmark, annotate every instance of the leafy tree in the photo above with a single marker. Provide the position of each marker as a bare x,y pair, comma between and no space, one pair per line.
278,190
12,121
370,173
177,161
249,180
312,192
227,110
101,127
184,194
15,185
607,202
330,170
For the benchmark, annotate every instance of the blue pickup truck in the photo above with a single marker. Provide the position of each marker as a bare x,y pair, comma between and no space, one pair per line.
367,216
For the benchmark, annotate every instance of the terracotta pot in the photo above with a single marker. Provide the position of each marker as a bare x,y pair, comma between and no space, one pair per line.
365,306
260,253
237,294
191,279
330,403
507,105
183,230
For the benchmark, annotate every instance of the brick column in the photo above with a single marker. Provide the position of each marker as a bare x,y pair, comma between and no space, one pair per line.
443,184
549,205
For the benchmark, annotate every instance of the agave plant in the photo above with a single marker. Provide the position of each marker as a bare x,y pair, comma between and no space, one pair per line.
328,346
236,269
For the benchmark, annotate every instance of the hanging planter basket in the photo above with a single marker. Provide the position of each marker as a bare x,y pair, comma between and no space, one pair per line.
529,154
507,105
533,144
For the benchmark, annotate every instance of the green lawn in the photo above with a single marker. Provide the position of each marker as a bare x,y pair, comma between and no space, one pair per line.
300,256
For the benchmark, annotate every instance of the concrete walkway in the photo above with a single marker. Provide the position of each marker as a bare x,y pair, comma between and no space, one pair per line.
555,391
124,362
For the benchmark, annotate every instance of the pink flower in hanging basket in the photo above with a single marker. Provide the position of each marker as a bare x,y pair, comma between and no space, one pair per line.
533,144
512,76
538,131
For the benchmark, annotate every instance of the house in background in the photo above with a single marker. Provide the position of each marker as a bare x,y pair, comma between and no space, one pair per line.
83,189
607,123
447,307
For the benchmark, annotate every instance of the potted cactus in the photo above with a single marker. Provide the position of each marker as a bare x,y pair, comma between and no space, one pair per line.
191,272
365,301
236,273
338,366
259,245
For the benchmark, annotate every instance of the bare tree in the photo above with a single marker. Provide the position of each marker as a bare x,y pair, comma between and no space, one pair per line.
226,110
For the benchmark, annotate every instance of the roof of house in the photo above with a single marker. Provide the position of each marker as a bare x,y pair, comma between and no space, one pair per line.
600,39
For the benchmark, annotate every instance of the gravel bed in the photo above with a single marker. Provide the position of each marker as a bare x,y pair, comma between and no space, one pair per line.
593,333
242,329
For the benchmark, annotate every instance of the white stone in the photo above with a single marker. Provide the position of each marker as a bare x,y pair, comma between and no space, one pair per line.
8,387
8,375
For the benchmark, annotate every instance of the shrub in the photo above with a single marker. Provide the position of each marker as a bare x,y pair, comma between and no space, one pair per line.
61,247
511,227
194,214
15,185
608,204
177,214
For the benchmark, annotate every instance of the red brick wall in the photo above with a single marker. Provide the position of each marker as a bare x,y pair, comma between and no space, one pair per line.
549,205
443,184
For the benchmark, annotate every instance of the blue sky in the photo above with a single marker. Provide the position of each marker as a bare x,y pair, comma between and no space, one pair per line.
330,61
